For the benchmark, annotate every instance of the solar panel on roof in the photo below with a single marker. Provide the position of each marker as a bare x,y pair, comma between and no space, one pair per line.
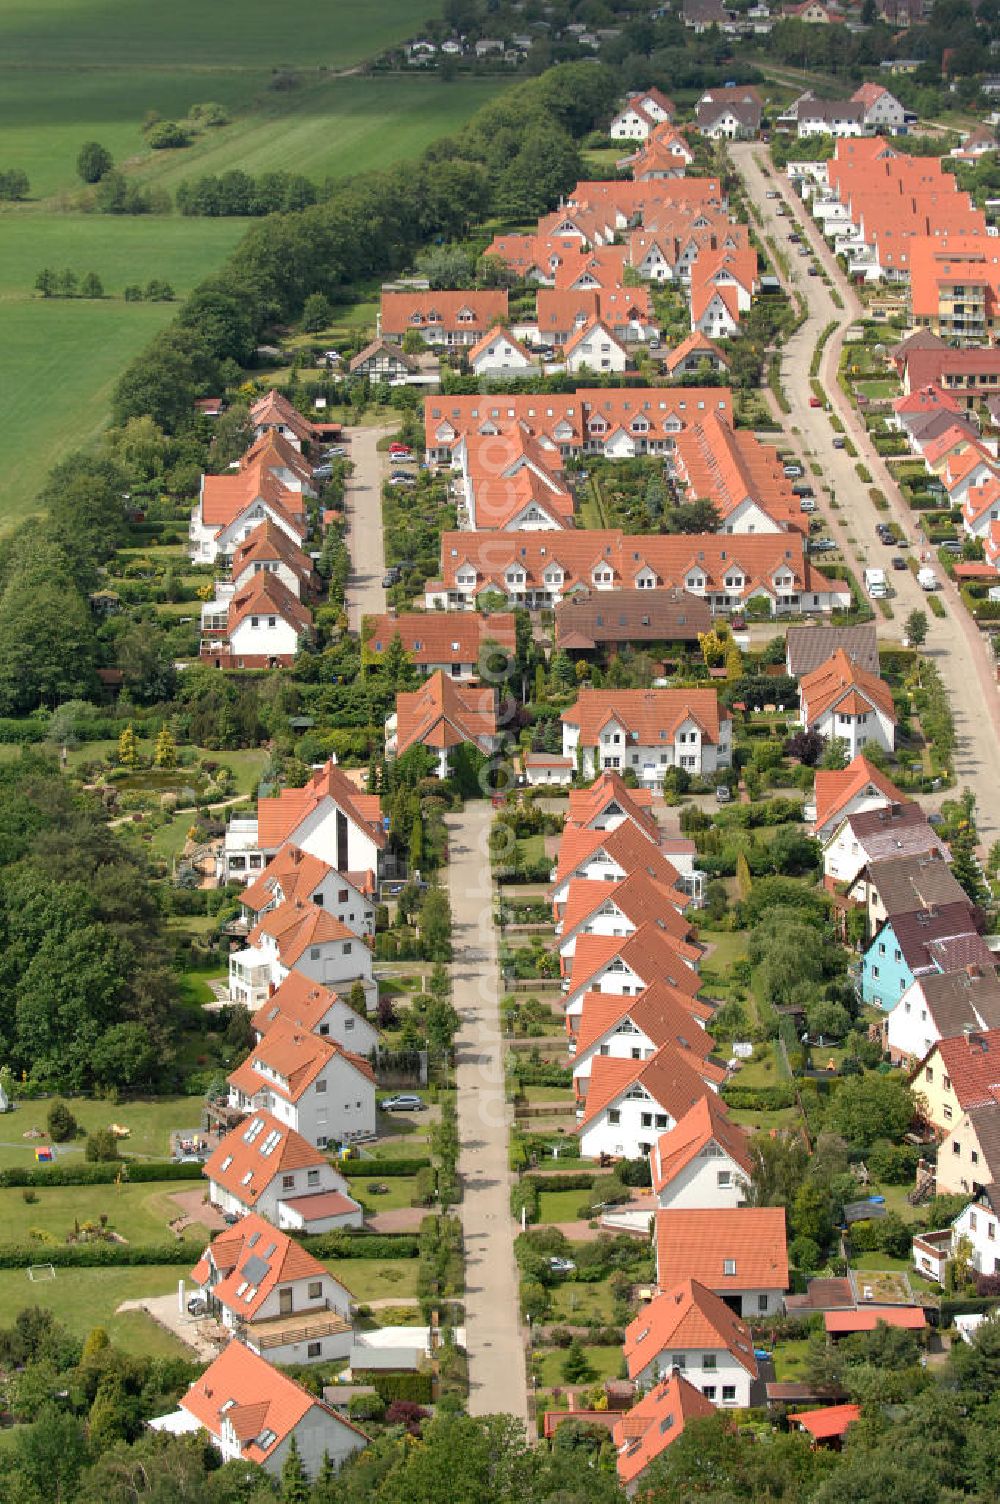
254,1270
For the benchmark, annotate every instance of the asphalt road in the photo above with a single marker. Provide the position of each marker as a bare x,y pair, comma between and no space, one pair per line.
363,513
954,643
497,1369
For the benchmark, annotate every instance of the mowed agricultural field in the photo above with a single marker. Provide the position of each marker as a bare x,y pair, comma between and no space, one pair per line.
191,33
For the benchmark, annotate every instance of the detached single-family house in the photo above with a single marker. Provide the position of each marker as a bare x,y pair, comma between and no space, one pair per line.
942,1005
299,937
383,360
956,1075
318,1010
594,348
499,354
654,1424
703,1163
324,1092
253,1412
918,944
641,113
729,114
443,715
262,624
636,1028
274,414
809,647
264,1166
859,787
329,817
609,856
272,1294
608,803
845,703
629,1103
739,1253
626,967
689,1331
648,731
871,834
595,908
297,874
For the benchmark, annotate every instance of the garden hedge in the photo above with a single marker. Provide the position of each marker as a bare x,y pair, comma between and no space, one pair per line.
758,1098
363,1245
416,1387
104,1173
355,1168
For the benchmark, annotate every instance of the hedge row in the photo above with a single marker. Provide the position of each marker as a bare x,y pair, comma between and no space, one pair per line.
80,1172
417,1387
363,1245
96,1255
579,1180
758,1098
356,1168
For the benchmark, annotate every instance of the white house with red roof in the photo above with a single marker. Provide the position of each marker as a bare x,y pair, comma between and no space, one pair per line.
629,1103
610,856
318,1010
593,347
592,908
848,791
643,1435
272,1294
639,116
297,874
329,816
441,318
273,413
689,1329
648,731
269,550
298,936
740,1253
260,623
981,508
264,1166
702,1163
252,1412
500,355
636,1029
843,702
626,967
230,507
442,716
322,1091
608,803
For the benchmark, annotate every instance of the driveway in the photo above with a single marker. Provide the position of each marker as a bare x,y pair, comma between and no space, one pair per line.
497,1379
196,1332
363,514
954,644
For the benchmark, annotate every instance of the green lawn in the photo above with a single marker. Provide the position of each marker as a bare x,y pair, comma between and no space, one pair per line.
573,1303
727,947
398,1191
85,1298
605,1361
150,1124
877,389
376,1279
139,1213
562,1206
790,1360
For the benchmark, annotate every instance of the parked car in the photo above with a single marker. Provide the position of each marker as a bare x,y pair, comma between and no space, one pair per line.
792,472
723,794
822,545
804,250
400,480
405,1102
773,193
813,271
952,546
897,561
794,237
561,1266
197,1305
815,401
839,441
397,448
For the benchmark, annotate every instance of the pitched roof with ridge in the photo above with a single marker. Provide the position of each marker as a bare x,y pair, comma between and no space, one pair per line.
273,409
444,714
294,926
672,1082
287,1061
972,1062
834,790
224,498
655,1422
649,715
265,594
261,1404
809,647
586,805
832,1421
253,1258
299,1001
273,449
917,930
840,684
628,846
250,1157
270,543
439,636
687,1317
705,1123
295,872
649,952
895,830
960,1000
703,1245
664,1015
436,310
281,815
905,884
640,899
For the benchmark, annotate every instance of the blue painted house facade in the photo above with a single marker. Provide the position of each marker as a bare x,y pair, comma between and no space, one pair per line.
935,939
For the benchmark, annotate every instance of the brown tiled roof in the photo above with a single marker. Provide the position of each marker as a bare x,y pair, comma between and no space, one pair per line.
916,930
905,884
629,615
442,713
439,636
270,542
273,408
808,647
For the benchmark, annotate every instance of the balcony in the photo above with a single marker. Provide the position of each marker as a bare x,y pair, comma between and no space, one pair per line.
301,1326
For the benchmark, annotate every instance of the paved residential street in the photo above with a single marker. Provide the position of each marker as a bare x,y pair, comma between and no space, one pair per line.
497,1380
363,511
954,643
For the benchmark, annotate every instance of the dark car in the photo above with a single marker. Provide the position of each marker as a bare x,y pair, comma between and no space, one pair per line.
898,562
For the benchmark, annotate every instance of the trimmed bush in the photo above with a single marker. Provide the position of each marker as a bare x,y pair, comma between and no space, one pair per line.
104,1173
418,1388
759,1098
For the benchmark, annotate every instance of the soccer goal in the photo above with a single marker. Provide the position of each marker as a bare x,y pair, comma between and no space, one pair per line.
38,1272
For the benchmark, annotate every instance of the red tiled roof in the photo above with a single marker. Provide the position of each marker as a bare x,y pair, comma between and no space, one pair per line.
256,1399
833,791
294,1056
684,1318
279,1260
705,1123
586,805
442,713
297,872
867,1318
238,1165
416,310
649,952
831,1421
273,449
298,1000
655,1423
273,409
973,1063
697,1245
268,542
440,637
840,684
265,594
279,816
296,925
671,1080
649,715
224,498
320,1205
